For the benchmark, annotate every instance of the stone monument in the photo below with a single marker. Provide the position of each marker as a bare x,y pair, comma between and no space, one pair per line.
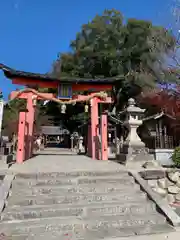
133,150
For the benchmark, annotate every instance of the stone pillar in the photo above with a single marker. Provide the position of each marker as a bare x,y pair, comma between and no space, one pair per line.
72,142
80,144
14,141
133,148
118,143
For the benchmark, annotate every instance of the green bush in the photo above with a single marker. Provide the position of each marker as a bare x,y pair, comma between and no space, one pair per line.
176,156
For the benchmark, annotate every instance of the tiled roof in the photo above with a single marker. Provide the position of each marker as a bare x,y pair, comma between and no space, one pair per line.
12,73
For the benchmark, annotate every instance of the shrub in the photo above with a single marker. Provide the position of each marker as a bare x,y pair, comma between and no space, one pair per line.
176,156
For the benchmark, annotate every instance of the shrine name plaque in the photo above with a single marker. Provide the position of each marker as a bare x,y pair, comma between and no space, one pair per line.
65,91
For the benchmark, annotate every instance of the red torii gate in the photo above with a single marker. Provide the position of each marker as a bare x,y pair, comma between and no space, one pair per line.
66,89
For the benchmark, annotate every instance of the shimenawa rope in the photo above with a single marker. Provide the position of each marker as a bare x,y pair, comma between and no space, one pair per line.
102,95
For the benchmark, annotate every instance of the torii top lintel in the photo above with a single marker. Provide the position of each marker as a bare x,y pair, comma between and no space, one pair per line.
47,81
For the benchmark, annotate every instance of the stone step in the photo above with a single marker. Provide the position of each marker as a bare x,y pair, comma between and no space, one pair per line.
106,223
71,174
76,181
83,211
100,233
83,188
15,201
18,237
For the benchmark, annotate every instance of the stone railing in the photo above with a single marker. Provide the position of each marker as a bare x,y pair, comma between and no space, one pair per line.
166,183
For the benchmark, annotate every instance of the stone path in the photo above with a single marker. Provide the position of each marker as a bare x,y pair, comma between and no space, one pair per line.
59,195
56,160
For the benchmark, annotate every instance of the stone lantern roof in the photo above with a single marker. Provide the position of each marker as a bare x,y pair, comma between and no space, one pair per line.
132,108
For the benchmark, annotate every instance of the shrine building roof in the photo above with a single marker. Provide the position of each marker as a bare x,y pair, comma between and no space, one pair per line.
159,115
12,73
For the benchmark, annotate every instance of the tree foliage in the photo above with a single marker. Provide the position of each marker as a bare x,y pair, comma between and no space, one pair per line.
134,52
174,59
11,115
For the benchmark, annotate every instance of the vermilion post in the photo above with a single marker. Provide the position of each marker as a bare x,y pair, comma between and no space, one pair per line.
21,138
104,141
29,125
94,128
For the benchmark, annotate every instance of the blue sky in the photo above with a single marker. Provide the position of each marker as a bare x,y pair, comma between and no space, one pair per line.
34,31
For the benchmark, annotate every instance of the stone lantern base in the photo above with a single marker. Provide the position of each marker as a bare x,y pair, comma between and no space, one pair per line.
134,154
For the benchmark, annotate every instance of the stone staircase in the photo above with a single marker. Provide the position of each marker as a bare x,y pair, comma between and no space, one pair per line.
79,205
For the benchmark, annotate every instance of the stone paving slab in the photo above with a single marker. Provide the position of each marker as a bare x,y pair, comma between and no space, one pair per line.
67,224
92,235
77,182
83,211
74,174
22,200
58,160
160,236
51,190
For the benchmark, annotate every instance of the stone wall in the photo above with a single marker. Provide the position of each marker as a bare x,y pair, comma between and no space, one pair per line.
165,183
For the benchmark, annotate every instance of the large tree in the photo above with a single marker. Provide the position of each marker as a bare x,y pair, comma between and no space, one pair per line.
134,52
175,29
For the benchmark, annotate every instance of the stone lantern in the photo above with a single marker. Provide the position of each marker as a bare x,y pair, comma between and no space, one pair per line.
132,122
132,147
80,144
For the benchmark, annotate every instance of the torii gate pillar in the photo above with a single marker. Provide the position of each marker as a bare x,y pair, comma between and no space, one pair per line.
20,156
94,128
98,144
29,128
